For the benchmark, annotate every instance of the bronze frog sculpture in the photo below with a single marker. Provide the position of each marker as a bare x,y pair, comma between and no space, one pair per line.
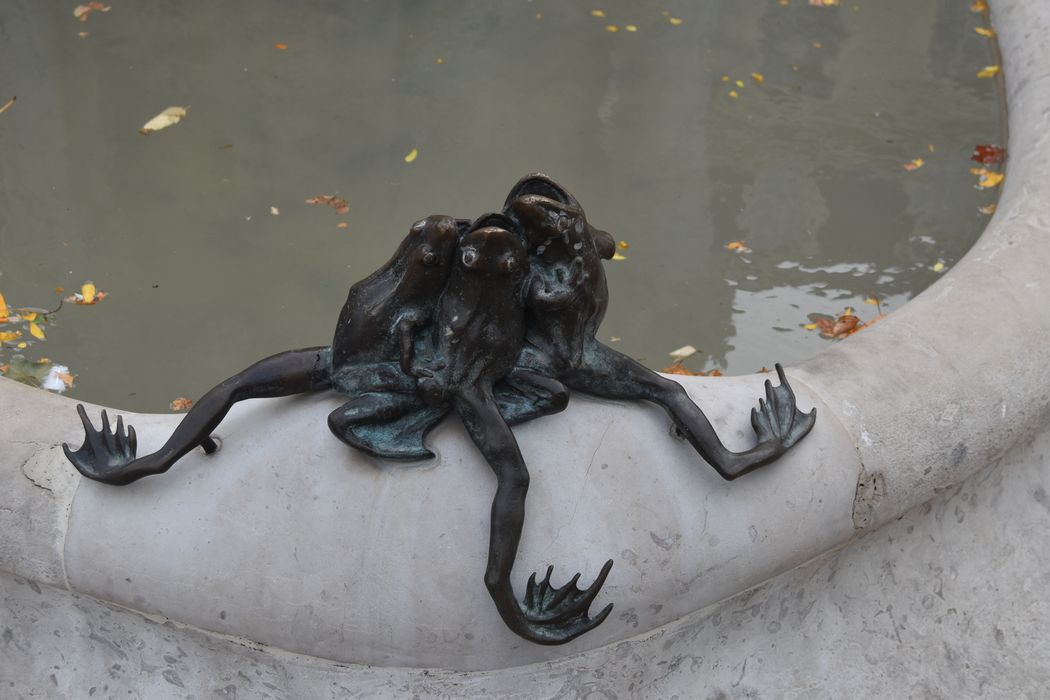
496,321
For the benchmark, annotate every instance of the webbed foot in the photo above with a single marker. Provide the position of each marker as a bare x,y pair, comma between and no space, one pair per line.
105,453
559,615
777,420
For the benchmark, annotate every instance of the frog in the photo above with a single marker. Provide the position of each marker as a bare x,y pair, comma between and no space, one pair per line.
478,332
562,344
371,348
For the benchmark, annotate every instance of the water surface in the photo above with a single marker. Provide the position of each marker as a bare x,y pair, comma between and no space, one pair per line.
805,167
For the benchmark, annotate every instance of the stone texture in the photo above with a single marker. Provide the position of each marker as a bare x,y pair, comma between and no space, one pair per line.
947,602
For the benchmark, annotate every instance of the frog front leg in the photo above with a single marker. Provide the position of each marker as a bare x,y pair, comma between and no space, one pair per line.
111,457
546,615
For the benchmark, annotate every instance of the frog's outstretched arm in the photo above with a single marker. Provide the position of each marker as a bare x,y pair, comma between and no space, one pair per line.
547,615
777,422
110,457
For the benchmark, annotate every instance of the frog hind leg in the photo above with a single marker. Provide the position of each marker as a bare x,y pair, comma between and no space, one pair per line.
525,394
387,425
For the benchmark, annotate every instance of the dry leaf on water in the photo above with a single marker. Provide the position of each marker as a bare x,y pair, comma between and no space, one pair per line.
738,246
682,353
412,155
678,368
986,179
82,12
88,295
988,72
988,154
987,209
169,117
4,311
914,164
7,105
340,205
181,404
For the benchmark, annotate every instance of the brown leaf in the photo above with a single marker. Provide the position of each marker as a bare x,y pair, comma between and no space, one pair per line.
987,154
181,404
340,205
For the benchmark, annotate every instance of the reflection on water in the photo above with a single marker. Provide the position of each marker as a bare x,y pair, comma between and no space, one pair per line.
805,168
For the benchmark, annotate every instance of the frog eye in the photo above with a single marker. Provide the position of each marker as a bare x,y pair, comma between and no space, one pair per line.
430,258
470,257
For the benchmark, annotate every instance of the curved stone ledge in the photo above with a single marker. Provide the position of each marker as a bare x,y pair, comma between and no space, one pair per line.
287,538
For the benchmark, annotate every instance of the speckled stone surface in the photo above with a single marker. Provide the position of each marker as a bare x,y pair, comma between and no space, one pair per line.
947,602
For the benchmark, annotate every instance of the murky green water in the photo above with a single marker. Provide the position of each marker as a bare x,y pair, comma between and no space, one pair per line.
804,168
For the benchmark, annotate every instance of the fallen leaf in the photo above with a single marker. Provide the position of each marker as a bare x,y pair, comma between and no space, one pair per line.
36,331
29,316
617,256
758,78
871,300
65,377
59,290
439,60
764,370
88,295
4,311
930,148
340,205
630,27
988,72
10,336
83,34
914,164
683,352
412,155
597,13
679,368
675,20
342,224
938,266
816,45
615,339
7,105
274,211
712,373
835,328
784,3
169,117
984,31
987,154
738,246
987,209
623,245
725,78
986,179
181,404
823,3
3,369
612,28
281,47
810,326
978,6
539,15
734,94
22,346
81,12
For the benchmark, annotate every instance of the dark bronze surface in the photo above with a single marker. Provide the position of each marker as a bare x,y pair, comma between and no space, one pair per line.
496,321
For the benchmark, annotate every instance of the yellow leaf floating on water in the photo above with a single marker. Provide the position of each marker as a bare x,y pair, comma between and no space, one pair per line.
36,331
823,3
986,178
597,13
169,117
738,246
988,209
623,245
7,105
412,155
81,12
734,94
89,291
4,312
630,27
758,78
10,336
612,28
617,256
914,164
23,345
984,31
675,20
29,316
978,6
810,326
938,266
871,300
988,72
